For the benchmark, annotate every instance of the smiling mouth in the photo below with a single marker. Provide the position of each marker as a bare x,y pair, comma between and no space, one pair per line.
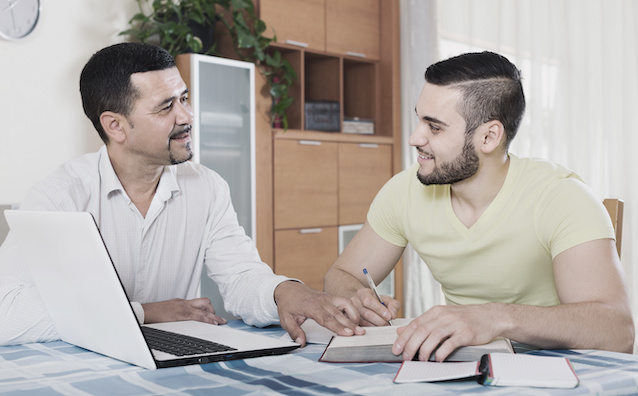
181,134
423,155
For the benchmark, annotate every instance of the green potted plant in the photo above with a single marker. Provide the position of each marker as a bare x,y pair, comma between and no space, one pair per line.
183,26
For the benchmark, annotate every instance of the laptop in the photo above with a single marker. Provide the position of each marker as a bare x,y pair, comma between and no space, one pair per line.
84,296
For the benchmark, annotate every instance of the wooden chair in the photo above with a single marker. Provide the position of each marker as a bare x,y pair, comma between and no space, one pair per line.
615,208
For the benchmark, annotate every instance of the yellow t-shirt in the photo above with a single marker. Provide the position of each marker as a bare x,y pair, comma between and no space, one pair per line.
542,210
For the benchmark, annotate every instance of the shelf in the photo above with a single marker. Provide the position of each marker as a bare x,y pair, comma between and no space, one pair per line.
343,51
296,134
348,80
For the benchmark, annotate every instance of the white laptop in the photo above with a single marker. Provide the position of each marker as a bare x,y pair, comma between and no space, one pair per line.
75,276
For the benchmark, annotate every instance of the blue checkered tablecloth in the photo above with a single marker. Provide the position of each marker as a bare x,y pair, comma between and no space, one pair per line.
57,368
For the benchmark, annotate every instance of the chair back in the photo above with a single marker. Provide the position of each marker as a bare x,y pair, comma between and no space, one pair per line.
615,208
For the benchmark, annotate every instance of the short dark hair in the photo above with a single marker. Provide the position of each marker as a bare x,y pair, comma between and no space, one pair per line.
491,89
105,81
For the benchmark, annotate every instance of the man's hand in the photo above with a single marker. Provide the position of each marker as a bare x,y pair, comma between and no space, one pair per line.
296,302
446,328
371,311
199,309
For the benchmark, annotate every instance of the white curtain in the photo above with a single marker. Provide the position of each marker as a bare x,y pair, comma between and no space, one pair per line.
579,60
419,48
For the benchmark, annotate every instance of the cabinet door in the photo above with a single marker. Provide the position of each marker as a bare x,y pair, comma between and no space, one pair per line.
306,254
223,101
296,22
363,170
353,27
305,183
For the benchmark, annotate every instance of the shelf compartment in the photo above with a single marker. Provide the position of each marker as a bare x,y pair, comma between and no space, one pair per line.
322,78
360,90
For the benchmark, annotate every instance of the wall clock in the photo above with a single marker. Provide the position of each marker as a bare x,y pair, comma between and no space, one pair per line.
18,18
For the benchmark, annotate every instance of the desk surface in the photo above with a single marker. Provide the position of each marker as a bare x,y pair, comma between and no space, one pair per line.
57,368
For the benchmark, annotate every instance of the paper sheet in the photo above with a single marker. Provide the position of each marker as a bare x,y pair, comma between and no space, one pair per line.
530,370
413,371
316,334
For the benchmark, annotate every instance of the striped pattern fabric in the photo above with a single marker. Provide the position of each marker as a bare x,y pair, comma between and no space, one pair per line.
58,368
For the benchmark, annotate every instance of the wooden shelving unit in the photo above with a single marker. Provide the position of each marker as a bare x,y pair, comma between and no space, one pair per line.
309,183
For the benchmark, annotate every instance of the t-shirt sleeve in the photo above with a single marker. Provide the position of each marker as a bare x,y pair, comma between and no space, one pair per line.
569,214
383,215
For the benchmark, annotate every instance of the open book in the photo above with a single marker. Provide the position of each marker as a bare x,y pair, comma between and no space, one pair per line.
376,346
496,369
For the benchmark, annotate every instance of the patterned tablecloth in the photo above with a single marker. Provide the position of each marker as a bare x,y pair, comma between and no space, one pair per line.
58,368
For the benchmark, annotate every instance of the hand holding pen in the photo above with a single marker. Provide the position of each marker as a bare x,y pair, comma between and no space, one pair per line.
374,289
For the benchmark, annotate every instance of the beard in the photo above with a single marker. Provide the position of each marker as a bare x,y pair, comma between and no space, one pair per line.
464,166
177,155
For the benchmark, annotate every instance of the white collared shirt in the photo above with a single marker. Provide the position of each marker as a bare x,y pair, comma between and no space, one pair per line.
190,223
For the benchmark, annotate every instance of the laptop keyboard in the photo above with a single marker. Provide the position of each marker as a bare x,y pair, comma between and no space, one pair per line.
180,344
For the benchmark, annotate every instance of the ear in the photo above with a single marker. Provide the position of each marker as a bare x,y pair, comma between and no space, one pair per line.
492,135
114,125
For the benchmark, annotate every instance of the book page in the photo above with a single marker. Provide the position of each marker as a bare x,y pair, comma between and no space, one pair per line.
384,335
531,370
413,371
317,334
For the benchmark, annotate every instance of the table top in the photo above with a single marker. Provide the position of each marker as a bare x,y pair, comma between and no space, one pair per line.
58,368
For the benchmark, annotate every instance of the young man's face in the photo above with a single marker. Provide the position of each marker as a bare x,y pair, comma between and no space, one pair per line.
160,121
445,154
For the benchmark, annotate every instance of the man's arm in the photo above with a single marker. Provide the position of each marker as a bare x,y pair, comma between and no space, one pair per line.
594,312
345,278
296,302
24,316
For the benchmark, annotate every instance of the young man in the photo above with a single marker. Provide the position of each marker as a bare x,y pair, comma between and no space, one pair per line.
521,247
162,217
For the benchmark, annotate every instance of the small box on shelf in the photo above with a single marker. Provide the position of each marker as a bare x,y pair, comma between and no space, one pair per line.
358,125
322,115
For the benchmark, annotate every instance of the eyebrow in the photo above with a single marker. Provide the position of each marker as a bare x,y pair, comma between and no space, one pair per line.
430,119
172,98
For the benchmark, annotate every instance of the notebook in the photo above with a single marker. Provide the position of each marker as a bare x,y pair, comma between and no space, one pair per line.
79,285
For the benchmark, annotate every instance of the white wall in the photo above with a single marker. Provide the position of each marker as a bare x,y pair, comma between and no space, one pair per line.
42,124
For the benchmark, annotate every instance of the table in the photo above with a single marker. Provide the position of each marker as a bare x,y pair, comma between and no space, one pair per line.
58,368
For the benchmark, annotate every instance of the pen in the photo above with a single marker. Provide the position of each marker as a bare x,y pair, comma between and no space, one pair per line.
374,289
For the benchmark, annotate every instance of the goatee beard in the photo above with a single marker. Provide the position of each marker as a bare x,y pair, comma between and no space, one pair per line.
173,159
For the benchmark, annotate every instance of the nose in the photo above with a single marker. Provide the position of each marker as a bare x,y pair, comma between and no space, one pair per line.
184,114
418,138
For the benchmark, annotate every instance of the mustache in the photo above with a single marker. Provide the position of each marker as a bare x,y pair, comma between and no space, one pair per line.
179,131
423,152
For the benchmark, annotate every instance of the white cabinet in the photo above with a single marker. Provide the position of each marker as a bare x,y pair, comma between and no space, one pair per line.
222,95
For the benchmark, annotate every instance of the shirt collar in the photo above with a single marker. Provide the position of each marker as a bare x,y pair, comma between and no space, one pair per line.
110,183
168,185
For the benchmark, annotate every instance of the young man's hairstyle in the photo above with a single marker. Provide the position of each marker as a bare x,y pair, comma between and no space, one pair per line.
490,86
105,82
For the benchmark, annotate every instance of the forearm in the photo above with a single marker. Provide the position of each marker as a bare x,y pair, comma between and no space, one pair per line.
245,283
24,319
251,297
583,325
340,283
366,250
